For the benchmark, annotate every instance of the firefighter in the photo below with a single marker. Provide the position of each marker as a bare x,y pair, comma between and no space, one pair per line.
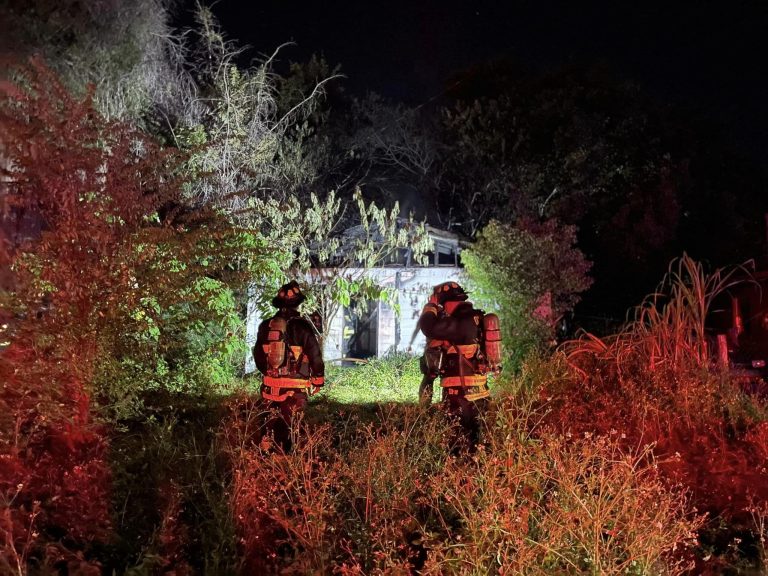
288,354
463,347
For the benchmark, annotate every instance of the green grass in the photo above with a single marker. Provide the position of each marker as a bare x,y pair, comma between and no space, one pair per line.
393,378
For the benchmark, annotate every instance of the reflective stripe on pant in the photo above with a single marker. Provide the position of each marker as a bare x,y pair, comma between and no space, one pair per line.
472,386
280,389
285,382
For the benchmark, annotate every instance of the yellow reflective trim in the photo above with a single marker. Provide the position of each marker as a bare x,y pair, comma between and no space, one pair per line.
466,381
478,395
286,382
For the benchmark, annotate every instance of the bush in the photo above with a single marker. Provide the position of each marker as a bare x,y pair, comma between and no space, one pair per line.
581,506
530,274
110,302
654,385
182,334
79,175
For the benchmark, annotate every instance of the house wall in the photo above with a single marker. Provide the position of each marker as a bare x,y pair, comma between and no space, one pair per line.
252,321
413,287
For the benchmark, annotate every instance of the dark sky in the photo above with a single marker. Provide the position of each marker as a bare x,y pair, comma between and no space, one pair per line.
706,56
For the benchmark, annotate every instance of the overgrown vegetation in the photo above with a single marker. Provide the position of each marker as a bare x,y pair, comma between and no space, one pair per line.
654,384
127,53
531,274
125,296
388,498
131,443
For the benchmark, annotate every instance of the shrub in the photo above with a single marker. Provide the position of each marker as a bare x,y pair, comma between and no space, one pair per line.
653,383
530,274
110,300
182,332
584,506
80,176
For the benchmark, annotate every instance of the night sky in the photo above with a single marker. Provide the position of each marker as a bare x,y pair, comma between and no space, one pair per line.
707,57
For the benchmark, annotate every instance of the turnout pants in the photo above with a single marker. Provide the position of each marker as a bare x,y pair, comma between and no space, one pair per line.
281,417
467,415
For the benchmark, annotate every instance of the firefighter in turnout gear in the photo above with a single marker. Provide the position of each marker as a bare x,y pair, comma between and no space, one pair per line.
463,347
288,354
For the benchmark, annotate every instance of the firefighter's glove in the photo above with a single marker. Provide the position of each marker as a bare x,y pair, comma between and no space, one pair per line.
317,384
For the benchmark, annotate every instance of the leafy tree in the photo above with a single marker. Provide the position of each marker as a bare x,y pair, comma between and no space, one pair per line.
568,146
148,298
332,256
260,153
246,146
126,50
641,180
516,269
477,167
92,183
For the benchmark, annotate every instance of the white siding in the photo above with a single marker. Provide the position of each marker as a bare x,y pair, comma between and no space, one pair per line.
414,286
333,340
252,322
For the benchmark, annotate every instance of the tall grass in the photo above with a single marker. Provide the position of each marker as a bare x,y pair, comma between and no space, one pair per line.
655,384
389,499
668,328
170,499
606,458
580,507
369,492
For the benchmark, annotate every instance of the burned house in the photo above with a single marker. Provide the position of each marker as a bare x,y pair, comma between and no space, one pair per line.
372,329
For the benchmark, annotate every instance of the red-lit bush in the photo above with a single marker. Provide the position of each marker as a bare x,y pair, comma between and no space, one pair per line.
530,273
654,385
124,292
92,185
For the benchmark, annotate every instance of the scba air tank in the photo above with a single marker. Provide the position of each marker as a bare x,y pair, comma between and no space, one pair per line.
492,332
275,347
